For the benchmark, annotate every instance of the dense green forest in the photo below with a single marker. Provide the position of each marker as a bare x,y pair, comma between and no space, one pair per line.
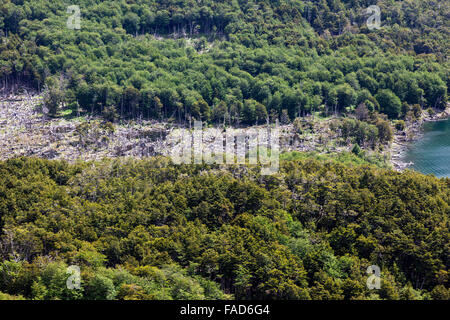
153,230
150,229
236,62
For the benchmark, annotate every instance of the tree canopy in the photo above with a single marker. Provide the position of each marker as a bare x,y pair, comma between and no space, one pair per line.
164,59
149,229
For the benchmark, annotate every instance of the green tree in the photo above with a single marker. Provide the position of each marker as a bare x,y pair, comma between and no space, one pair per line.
390,104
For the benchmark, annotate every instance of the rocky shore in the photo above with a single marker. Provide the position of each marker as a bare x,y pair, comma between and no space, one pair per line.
402,139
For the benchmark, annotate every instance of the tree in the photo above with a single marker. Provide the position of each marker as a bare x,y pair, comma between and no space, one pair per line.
390,104
162,19
249,111
361,112
260,113
200,110
131,23
54,96
384,131
147,20
346,96
357,150
435,90
219,113
100,288
131,98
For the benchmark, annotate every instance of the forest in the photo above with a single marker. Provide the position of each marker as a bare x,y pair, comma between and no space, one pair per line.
148,229
232,62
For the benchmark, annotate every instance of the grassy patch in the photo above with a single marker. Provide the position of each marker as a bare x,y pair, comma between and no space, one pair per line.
346,158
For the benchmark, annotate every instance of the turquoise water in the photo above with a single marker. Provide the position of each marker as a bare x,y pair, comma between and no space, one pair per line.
431,153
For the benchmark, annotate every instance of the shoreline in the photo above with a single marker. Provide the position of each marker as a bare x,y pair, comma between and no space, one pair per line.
26,132
403,139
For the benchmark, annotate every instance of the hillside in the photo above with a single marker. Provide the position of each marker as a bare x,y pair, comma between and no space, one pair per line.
228,61
91,114
152,230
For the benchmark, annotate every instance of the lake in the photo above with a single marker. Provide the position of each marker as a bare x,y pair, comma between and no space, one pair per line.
431,153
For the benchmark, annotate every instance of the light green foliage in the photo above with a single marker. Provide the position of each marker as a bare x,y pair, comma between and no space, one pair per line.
390,104
176,59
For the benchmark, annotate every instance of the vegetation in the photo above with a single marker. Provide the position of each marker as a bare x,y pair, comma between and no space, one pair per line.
152,230
149,229
233,61
353,158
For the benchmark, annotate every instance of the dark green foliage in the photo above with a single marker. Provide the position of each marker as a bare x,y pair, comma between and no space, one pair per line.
153,230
